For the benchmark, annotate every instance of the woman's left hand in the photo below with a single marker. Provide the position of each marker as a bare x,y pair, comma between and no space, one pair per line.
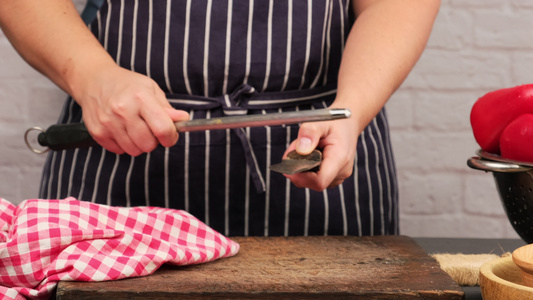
384,44
337,140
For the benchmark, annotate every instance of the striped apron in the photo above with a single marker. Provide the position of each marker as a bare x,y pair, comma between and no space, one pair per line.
230,57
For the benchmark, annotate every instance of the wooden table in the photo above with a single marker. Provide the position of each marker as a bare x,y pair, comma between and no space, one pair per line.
380,267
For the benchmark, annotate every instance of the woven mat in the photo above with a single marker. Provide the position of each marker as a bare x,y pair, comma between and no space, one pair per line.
464,268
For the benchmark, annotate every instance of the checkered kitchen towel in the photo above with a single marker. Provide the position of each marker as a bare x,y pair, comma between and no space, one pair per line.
45,241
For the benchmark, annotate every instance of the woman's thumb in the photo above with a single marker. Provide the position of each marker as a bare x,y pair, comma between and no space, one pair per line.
307,140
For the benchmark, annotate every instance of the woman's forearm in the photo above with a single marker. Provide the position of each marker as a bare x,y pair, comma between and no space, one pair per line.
52,38
384,44
124,111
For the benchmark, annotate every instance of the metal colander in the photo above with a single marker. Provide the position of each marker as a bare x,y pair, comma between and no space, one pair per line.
514,181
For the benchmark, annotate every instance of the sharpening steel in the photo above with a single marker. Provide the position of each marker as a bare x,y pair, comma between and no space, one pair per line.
68,136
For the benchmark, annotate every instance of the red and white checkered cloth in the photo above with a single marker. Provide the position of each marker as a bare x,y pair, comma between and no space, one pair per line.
45,241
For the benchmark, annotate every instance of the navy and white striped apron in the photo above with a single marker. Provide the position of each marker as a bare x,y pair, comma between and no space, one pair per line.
227,57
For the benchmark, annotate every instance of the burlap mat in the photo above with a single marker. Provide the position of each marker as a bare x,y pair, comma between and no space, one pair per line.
464,268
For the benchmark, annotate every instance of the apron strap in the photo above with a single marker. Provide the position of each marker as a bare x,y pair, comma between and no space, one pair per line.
91,8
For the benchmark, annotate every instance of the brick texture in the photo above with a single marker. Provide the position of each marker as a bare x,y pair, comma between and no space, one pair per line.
476,46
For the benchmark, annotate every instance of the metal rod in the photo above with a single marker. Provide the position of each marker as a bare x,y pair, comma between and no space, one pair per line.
263,120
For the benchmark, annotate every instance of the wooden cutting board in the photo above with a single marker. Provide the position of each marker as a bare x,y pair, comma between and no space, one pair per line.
380,267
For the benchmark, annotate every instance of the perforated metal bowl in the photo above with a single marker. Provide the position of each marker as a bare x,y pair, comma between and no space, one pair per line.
514,181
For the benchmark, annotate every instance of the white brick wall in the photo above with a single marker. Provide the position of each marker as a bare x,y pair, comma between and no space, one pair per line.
476,46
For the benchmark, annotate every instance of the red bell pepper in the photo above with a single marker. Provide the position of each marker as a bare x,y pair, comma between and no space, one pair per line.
516,141
491,114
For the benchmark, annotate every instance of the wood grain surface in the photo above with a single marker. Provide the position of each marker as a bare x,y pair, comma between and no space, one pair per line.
380,267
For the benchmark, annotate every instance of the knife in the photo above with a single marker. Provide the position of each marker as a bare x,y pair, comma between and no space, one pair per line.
76,135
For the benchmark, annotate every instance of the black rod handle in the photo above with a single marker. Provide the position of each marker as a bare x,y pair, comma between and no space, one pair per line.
66,136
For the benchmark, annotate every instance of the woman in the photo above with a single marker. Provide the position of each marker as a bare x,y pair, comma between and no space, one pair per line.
144,64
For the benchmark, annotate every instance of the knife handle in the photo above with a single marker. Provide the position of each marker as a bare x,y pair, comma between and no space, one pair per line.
66,136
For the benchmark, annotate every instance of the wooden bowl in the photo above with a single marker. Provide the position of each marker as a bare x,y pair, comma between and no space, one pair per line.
500,279
523,258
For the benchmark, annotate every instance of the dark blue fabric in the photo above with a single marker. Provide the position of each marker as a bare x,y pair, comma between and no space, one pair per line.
193,174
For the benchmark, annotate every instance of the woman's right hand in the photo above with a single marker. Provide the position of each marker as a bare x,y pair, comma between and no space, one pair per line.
127,112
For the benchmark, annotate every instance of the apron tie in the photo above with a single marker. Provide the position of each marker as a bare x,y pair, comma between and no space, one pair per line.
245,97
236,104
